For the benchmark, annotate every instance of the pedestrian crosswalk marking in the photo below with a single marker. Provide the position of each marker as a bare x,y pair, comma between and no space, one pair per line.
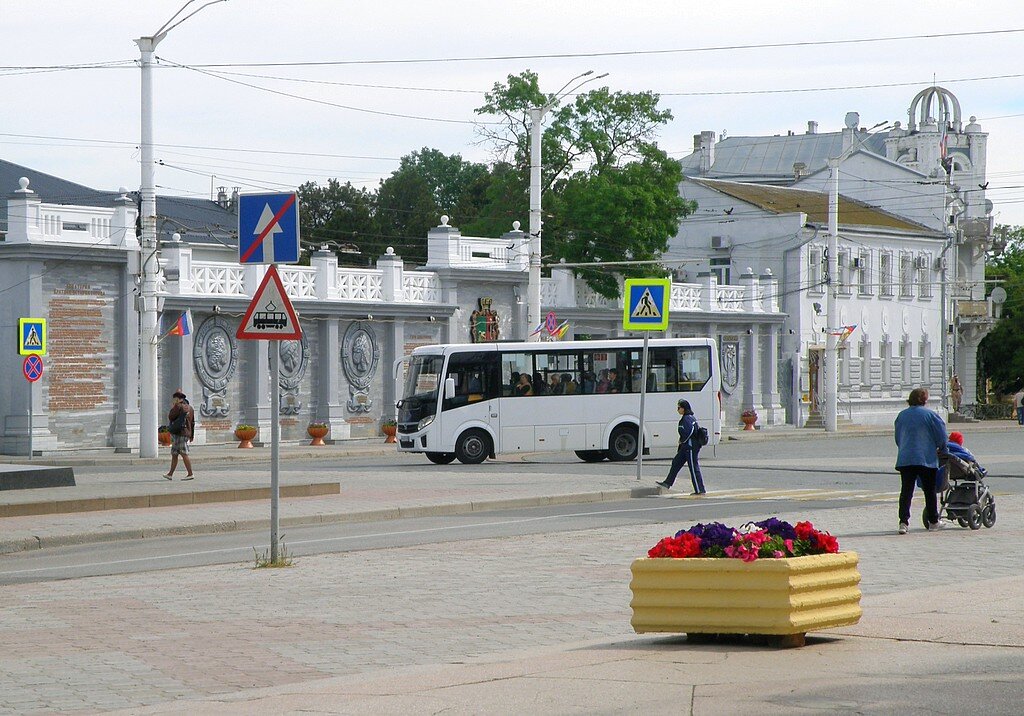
755,494
646,307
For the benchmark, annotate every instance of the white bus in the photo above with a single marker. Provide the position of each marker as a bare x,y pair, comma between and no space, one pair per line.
473,401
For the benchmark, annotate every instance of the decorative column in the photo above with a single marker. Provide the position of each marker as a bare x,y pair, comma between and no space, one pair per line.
771,399
330,408
126,418
752,393
23,209
709,289
256,386
392,274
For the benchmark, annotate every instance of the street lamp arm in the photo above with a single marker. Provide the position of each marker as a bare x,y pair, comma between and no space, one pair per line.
168,26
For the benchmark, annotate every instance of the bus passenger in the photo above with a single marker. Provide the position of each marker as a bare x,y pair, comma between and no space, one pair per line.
589,383
603,384
614,383
539,386
569,386
524,387
555,387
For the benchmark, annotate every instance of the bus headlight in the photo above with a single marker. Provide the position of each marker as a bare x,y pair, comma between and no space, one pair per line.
425,422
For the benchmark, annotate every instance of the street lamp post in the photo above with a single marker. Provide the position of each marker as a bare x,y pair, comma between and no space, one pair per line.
148,267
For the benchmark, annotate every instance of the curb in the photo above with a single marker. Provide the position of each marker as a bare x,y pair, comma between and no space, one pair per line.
164,499
395,513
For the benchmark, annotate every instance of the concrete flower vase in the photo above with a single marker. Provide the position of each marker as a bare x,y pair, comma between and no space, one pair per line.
780,597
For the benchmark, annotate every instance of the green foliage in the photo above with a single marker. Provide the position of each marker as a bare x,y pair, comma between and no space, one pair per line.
1001,353
608,192
340,215
263,560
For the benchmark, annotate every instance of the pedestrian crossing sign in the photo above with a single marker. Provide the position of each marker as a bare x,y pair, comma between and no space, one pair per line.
32,336
645,307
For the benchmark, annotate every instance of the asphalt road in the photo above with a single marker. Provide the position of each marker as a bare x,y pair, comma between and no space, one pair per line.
131,556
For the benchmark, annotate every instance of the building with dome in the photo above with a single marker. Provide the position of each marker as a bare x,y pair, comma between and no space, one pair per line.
914,226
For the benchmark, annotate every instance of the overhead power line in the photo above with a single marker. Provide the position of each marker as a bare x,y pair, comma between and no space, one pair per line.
618,53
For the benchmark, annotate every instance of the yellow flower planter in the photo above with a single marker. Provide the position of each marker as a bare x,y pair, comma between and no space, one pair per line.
729,596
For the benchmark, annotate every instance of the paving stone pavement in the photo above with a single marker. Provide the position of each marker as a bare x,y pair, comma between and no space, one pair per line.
125,642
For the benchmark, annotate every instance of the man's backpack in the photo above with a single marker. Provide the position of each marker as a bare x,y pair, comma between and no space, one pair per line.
701,437
177,426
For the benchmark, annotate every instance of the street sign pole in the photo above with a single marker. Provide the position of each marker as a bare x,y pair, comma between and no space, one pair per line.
30,411
275,444
643,395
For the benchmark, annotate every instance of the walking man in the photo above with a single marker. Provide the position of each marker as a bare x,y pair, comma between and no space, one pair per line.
920,435
1018,406
182,423
688,450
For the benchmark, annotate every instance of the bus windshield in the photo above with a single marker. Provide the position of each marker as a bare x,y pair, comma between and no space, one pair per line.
419,398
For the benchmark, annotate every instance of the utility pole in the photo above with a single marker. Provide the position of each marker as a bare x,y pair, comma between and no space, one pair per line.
533,287
536,129
832,303
148,263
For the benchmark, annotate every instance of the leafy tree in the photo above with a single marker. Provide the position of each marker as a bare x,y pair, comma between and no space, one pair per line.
427,184
1001,353
340,215
609,192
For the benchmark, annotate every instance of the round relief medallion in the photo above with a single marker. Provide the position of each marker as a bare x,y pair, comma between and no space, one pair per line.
215,353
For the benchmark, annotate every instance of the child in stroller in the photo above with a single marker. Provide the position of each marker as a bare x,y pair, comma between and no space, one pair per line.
966,498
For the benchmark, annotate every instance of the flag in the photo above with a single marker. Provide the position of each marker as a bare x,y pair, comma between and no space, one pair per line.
560,331
537,330
183,326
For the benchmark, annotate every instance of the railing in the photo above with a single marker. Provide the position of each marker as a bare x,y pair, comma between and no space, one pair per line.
587,297
421,287
299,281
218,279
685,297
548,292
360,285
729,298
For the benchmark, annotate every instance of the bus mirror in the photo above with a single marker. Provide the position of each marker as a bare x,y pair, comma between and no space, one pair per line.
449,388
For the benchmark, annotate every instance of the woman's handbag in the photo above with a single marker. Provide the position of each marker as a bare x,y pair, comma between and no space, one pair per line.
177,425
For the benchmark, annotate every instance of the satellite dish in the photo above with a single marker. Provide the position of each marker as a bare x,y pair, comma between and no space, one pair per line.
989,206
998,295
852,120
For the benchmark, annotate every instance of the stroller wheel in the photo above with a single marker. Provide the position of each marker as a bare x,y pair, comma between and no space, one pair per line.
974,517
988,514
961,521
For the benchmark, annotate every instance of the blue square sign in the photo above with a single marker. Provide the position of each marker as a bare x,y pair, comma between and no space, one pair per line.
268,228
646,304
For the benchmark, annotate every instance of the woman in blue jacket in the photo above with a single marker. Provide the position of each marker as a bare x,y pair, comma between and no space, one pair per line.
688,449
920,435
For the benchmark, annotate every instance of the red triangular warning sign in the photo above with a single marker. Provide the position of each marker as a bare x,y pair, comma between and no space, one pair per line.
270,316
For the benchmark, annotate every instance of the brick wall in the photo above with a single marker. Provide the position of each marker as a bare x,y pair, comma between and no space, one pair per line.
80,387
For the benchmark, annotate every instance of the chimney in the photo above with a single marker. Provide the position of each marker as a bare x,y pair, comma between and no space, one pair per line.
798,169
222,196
704,143
812,127
233,204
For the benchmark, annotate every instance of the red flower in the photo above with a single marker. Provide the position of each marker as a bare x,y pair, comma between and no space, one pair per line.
826,542
804,530
684,545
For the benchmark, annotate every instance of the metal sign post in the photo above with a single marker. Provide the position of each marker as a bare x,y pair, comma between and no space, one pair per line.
32,368
645,308
643,395
275,444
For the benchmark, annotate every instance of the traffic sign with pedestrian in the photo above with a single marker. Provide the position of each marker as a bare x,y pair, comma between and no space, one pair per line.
270,316
32,368
32,336
646,304
268,228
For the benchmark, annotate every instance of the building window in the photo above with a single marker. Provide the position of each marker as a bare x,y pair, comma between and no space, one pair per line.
906,275
814,284
720,269
924,279
885,274
864,274
843,271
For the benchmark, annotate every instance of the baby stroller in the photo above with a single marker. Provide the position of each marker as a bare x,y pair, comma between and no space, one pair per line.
967,498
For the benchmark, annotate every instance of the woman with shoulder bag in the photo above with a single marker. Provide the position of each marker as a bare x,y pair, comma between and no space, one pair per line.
689,447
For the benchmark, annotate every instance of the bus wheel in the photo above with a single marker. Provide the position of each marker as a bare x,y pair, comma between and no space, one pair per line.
440,458
622,446
591,455
473,447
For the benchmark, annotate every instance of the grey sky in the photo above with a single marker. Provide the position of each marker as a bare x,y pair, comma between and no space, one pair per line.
203,111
